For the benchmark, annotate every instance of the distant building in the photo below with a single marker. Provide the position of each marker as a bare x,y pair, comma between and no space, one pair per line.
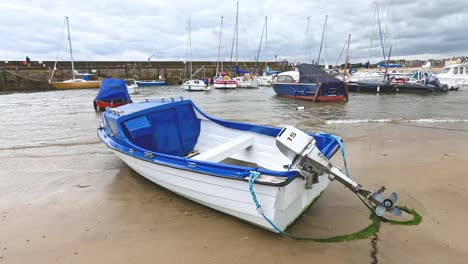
453,61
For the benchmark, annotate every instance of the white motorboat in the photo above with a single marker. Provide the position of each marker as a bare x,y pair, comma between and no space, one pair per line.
132,86
246,81
252,172
195,85
455,75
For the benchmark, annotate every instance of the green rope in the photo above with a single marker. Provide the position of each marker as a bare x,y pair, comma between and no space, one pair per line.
365,233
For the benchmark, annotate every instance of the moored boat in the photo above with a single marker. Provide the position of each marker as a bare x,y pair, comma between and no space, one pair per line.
246,81
82,83
132,87
76,84
231,167
455,75
195,85
151,83
224,81
112,93
310,82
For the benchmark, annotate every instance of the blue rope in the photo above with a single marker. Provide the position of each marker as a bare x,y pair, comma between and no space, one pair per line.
338,140
253,176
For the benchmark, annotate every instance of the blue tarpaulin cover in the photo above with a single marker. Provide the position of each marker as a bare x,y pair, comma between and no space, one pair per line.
239,71
113,89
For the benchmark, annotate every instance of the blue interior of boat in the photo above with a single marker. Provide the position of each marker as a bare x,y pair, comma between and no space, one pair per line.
171,131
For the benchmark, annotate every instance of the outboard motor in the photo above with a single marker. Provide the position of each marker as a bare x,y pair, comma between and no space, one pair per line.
305,157
432,80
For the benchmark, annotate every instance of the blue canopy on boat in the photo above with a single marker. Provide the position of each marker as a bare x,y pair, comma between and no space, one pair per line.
311,73
112,89
267,71
390,65
239,71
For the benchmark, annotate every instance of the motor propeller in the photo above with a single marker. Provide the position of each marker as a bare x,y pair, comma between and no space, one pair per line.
386,205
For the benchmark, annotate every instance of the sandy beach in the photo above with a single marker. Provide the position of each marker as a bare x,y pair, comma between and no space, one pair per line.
81,204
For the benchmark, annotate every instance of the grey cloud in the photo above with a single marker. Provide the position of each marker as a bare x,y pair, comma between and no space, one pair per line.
134,30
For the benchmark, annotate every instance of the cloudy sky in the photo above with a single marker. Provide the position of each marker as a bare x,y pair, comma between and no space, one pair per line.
138,29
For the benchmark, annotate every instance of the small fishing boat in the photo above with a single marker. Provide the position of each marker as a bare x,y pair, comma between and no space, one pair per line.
132,87
310,82
195,85
252,172
112,93
151,83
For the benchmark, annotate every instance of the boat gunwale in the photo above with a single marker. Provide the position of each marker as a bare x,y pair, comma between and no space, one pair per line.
203,167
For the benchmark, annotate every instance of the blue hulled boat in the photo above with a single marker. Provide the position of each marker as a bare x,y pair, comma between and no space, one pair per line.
310,82
112,93
151,83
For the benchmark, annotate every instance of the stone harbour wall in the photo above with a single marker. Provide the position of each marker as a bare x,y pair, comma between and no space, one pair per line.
18,76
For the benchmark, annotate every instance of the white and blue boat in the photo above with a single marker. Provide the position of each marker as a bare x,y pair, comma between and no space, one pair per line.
223,164
310,82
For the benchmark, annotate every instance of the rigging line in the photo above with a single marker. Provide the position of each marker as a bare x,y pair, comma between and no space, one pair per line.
341,53
306,47
321,43
372,32
235,37
260,46
380,33
58,52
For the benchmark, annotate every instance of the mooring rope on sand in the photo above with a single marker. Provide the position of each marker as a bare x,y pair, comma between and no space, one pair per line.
368,231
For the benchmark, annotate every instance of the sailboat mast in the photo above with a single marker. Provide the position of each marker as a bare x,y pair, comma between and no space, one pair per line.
219,48
321,43
190,48
237,32
71,50
260,46
386,21
306,48
380,32
372,32
266,41
221,45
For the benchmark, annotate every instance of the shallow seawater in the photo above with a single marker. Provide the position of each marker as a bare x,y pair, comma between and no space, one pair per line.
68,118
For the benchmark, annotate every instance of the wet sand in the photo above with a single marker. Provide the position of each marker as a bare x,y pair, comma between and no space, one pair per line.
81,204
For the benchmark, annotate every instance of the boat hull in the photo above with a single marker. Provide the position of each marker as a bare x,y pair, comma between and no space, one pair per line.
155,83
76,85
305,91
225,84
101,105
371,88
281,204
454,82
196,87
248,84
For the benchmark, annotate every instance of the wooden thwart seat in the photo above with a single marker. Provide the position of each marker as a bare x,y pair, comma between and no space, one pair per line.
225,150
